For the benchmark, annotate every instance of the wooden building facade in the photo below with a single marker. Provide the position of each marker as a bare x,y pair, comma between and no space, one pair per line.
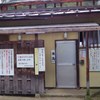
62,31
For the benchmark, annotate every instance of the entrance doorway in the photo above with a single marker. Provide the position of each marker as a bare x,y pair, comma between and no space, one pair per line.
66,64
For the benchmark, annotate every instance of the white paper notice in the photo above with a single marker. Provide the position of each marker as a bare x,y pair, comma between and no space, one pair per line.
6,62
94,59
41,59
25,61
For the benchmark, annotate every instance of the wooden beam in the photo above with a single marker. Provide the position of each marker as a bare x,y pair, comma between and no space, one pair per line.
49,28
83,39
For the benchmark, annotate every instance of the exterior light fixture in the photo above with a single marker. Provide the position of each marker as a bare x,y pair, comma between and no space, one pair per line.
19,37
65,35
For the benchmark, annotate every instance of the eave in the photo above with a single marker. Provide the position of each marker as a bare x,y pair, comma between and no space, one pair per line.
52,20
31,17
50,28
27,14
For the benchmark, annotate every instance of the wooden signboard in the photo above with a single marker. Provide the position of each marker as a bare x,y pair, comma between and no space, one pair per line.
39,60
36,62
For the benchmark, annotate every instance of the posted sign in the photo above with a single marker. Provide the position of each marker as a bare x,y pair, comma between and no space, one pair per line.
25,61
39,60
94,59
6,62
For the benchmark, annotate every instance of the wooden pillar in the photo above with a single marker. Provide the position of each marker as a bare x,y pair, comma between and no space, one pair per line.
81,3
15,7
61,4
36,36
54,5
45,5
97,39
93,34
94,2
36,76
30,6
83,39
77,3
87,65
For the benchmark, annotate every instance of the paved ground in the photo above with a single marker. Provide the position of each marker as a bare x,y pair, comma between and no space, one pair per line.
58,94
65,92
96,98
69,92
43,98
38,98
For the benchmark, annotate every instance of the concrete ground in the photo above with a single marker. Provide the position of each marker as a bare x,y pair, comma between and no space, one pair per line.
69,92
58,94
65,92
96,98
38,98
44,98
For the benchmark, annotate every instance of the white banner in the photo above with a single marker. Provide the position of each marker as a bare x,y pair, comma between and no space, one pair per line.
25,61
6,62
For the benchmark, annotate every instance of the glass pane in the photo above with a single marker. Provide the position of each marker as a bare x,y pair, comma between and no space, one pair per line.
97,2
11,8
87,3
33,6
50,5
69,4
40,6
58,5
22,7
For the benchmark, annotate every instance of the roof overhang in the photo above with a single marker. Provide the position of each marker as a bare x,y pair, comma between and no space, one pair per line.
50,28
22,14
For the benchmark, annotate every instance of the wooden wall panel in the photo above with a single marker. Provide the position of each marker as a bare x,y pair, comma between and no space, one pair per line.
24,81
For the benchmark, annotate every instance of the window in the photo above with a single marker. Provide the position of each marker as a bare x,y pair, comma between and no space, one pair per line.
87,3
93,38
97,2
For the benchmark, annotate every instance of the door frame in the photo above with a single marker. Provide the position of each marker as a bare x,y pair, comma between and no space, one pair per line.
77,61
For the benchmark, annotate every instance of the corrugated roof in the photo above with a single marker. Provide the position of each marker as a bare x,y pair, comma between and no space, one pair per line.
47,12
